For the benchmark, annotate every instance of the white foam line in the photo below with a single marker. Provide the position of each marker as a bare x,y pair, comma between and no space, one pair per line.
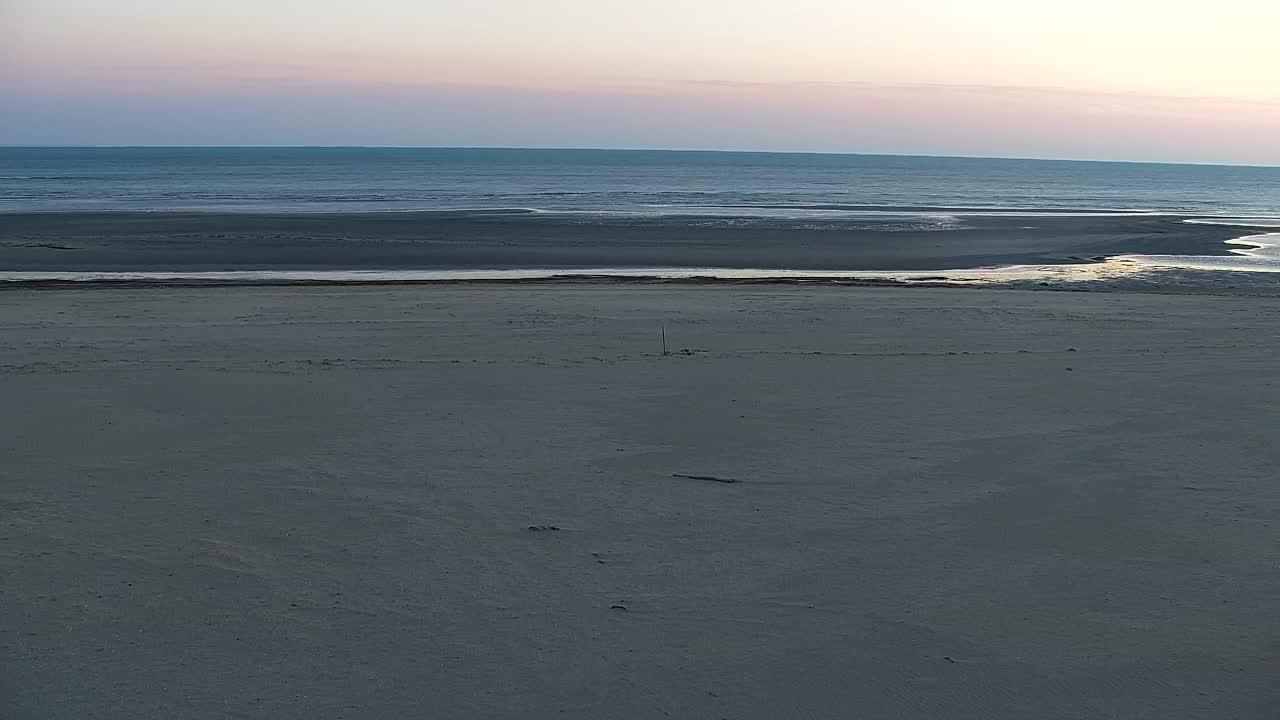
1241,222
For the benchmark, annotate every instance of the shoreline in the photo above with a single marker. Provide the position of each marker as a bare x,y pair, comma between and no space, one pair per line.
1064,249
549,281
1088,275
908,241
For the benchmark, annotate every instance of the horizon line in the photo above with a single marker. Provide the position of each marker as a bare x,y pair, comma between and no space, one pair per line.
567,148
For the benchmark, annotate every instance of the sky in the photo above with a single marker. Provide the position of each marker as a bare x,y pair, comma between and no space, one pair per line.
1175,80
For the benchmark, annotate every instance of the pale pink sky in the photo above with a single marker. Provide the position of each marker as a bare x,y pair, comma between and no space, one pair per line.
1113,79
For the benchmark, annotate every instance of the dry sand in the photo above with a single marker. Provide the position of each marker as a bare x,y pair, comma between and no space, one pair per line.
316,502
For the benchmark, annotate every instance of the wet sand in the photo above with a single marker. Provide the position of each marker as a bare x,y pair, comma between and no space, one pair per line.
953,503
902,239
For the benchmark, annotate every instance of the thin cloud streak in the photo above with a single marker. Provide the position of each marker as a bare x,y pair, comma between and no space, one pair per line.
1005,91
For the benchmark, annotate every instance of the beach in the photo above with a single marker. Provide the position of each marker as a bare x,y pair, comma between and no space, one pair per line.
492,501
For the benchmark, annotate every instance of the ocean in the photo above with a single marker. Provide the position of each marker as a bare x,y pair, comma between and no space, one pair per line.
301,209
648,182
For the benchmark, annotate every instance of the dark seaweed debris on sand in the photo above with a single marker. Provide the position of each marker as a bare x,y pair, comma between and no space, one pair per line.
711,478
